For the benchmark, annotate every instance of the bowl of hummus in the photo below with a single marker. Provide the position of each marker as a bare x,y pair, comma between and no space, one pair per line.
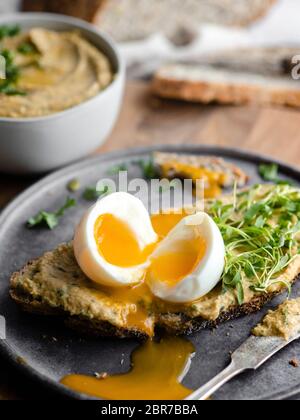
62,91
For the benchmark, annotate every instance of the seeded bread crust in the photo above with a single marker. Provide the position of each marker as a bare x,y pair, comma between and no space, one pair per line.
173,323
83,325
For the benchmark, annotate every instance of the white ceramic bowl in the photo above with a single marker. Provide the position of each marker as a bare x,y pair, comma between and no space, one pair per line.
34,145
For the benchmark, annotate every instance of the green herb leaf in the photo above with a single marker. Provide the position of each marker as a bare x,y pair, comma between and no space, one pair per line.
260,222
9,31
8,86
93,194
270,173
27,48
118,168
240,293
9,90
261,236
149,169
69,203
253,211
51,220
232,281
44,218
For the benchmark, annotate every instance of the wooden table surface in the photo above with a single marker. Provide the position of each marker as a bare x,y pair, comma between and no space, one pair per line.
149,121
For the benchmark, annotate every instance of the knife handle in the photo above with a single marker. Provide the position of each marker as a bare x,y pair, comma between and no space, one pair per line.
212,386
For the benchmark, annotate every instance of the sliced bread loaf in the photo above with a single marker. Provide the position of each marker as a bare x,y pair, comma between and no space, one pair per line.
262,76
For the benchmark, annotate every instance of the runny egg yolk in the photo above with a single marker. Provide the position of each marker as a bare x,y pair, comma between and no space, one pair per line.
156,374
117,243
174,266
163,223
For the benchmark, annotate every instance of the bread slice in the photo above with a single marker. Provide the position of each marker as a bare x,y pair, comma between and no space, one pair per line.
173,165
55,285
262,76
136,19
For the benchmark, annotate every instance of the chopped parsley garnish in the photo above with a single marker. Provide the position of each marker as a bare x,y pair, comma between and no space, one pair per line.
118,168
8,86
148,167
270,173
51,220
9,31
260,236
27,48
93,193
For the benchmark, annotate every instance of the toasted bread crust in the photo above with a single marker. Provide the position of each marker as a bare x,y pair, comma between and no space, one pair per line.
172,323
83,325
224,93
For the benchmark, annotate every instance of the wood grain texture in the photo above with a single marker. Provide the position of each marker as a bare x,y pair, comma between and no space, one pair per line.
145,120
84,9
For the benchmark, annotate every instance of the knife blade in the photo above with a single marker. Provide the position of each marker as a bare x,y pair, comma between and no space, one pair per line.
250,356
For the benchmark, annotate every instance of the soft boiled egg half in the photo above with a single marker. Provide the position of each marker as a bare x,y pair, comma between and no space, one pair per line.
114,240
116,245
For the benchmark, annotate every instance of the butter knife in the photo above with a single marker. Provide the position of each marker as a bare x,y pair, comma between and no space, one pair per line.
250,356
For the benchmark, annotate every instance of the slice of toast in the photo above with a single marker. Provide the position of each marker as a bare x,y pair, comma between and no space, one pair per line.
173,165
262,76
136,19
55,285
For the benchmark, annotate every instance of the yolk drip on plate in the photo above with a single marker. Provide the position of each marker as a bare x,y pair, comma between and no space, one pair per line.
157,370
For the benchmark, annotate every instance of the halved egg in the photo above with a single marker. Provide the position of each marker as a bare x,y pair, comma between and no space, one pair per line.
117,244
114,240
189,262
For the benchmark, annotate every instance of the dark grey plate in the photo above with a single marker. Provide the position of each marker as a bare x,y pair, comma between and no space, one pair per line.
30,338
